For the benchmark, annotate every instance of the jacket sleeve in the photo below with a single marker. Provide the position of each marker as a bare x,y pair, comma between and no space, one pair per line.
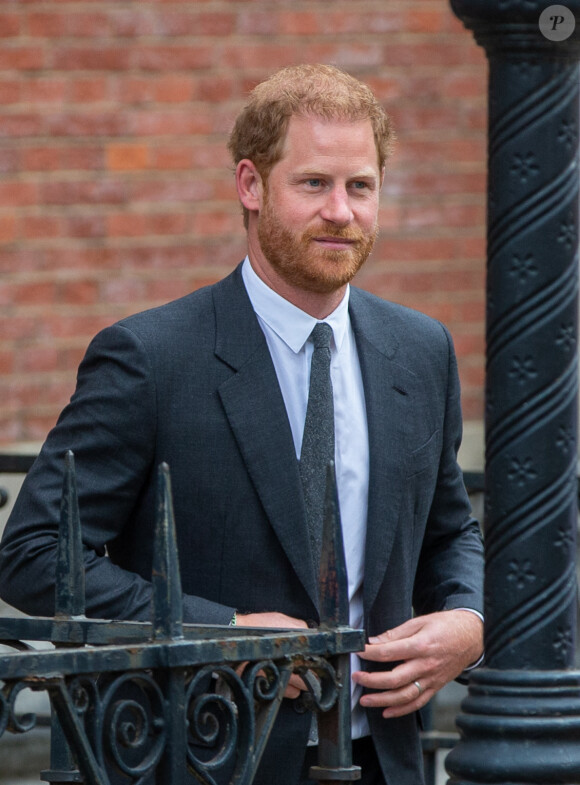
450,570
110,425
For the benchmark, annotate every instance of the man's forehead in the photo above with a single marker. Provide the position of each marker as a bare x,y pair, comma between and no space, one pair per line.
312,138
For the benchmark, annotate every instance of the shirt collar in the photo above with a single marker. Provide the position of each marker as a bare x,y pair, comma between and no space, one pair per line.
290,323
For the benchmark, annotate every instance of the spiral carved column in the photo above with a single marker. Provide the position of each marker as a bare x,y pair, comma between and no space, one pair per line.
520,723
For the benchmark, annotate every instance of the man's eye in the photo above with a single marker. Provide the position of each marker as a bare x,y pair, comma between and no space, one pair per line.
314,182
360,184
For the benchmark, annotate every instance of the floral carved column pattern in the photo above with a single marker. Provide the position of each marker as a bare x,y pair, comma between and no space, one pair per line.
521,720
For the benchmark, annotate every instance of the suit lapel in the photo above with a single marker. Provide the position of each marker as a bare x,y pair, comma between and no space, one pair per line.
387,385
255,408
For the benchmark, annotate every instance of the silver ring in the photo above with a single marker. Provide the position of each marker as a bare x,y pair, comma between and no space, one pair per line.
418,685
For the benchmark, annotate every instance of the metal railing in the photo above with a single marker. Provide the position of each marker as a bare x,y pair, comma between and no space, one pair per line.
228,645
167,701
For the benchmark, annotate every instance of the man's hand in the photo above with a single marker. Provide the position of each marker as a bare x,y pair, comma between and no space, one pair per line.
432,650
276,620
268,620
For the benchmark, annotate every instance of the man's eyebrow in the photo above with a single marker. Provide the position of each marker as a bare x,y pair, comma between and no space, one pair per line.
362,175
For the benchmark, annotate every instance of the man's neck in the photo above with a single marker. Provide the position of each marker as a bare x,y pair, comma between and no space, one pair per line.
316,304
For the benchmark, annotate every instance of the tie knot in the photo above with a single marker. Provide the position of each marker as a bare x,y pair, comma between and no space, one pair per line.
321,335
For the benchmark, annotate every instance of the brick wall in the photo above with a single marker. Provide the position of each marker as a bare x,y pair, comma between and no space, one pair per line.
115,187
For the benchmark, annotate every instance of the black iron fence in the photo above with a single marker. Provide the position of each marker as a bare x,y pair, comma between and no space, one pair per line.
165,701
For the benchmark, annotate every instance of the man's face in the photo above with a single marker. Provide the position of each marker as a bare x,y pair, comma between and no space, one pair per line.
318,220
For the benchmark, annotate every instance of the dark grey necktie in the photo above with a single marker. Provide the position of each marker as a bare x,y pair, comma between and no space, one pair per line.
318,440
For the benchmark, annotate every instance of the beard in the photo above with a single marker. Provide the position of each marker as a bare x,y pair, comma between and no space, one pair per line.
302,263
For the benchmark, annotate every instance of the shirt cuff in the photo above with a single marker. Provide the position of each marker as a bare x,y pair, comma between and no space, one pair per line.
478,662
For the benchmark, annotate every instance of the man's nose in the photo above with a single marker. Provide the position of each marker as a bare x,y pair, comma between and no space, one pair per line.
336,208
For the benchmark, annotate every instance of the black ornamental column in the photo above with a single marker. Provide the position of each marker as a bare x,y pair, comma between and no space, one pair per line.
520,722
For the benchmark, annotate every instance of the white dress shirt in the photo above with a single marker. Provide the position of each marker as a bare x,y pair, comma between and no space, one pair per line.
287,330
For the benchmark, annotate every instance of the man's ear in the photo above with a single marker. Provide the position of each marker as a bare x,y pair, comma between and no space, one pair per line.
249,185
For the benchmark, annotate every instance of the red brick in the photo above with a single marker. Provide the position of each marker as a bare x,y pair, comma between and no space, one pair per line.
10,91
466,343
11,431
72,326
87,89
212,224
7,363
471,247
18,328
198,23
37,358
260,56
170,122
7,293
21,58
412,248
437,214
168,191
211,155
216,89
127,157
10,160
17,194
258,23
123,290
433,184
88,124
35,159
299,22
7,229
453,51
103,191
44,90
174,156
79,292
164,290
174,88
81,157
85,226
69,358
34,227
92,24
10,25
21,125
175,58
35,426
46,24
35,293
143,224
130,89
132,22
21,260
91,58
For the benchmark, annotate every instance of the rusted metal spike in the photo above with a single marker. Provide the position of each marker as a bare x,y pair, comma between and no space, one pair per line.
167,599
333,578
70,569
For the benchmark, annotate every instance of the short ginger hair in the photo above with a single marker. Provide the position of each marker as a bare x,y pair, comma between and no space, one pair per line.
322,91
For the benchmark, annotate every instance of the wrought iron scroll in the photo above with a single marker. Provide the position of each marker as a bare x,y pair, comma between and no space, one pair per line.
139,703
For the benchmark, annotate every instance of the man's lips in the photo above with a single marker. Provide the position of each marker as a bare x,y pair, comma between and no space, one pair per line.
335,242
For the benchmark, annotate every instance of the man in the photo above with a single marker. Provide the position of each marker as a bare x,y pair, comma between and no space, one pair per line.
216,384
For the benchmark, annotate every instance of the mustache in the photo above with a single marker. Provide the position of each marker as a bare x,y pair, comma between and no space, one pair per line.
345,233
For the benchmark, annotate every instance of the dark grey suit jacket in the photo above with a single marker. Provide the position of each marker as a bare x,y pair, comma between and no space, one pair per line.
192,383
